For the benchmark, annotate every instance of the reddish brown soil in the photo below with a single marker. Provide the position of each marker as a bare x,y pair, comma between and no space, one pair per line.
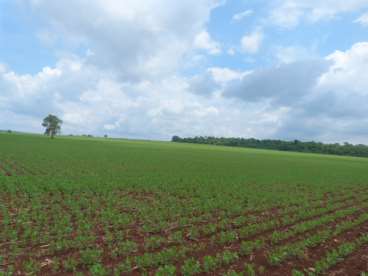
136,234
4,171
353,265
314,254
273,212
213,249
259,258
17,169
261,215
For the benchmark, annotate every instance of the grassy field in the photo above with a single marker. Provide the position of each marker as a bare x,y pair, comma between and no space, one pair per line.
93,206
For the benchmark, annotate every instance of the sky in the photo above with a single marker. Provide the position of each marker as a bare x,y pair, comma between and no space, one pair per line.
152,69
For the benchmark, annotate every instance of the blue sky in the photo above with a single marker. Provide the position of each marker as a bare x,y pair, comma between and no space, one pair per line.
290,69
19,42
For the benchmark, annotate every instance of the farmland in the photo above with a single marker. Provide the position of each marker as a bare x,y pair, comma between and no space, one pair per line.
93,206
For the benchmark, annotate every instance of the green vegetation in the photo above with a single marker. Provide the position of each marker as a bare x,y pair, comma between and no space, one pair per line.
52,125
97,206
337,255
296,145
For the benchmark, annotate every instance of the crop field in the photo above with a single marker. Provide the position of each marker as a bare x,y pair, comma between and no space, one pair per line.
89,206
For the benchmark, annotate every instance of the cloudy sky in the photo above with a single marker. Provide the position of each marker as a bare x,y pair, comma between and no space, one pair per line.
289,69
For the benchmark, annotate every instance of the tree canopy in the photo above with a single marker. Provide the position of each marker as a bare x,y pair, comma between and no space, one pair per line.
52,124
296,145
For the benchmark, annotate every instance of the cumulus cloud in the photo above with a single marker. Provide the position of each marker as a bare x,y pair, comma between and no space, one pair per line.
130,82
283,84
290,13
231,51
362,20
225,75
251,43
346,75
324,99
137,41
290,54
92,101
204,41
213,80
240,16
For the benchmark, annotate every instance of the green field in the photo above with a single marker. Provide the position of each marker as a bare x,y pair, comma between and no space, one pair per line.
98,206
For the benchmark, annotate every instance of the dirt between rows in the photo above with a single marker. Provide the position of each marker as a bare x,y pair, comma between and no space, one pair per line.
262,216
139,237
264,213
314,254
4,171
17,169
210,250
353,265
259,258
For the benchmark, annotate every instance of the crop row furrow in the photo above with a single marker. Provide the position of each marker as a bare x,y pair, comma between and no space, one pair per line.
233,255
355,264
233,218
308,250
248,249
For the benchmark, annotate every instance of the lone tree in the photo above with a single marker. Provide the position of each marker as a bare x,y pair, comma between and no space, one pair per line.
52,125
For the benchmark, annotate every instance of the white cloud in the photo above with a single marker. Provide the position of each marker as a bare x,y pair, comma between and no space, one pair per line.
129,82
336,108
251,43
224,75
290,54
362,20
204,41
240,16
2,68
135,40
92,101
290,13
281,85
324,99
347,74
231,51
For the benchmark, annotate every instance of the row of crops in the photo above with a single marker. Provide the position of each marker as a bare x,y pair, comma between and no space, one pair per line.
93,207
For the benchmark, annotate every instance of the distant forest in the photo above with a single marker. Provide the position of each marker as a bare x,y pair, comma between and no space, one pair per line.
298,146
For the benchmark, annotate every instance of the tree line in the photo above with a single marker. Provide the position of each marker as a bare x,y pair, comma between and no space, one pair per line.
296,145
